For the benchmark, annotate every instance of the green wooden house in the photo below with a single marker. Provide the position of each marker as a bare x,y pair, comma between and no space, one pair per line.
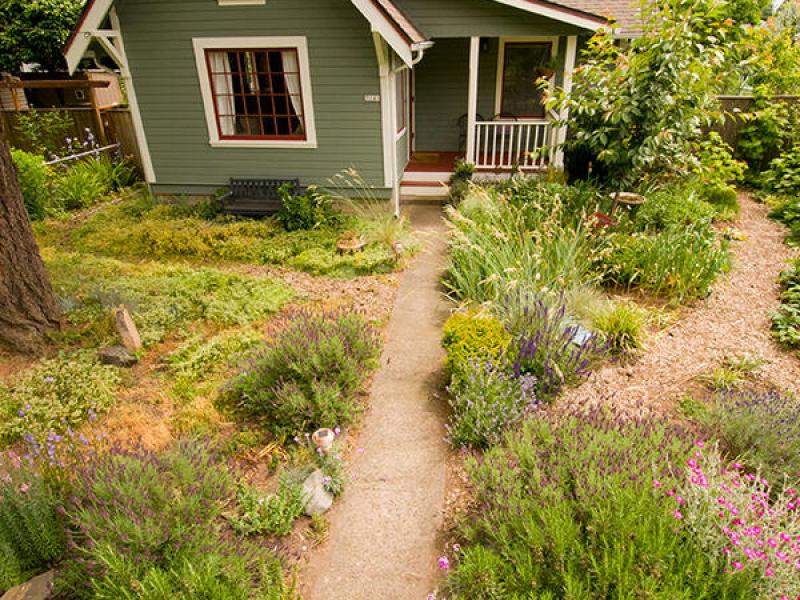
397,89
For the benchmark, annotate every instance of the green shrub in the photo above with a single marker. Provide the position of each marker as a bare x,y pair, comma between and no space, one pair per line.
783,176
786,319
622,326
149,526
715,165
306,210
487,401
724,198
786,210
32,536
161,298
758,427
43,132
470,336
673,207
308,375
83,184
54,395
569,509
34,181
678,263
274,514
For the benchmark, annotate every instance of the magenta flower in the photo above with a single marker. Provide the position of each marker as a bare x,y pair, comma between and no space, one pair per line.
444,563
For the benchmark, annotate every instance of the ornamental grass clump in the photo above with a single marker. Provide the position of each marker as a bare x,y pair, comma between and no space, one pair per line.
547,346
310,372
487,401
566,508
738,515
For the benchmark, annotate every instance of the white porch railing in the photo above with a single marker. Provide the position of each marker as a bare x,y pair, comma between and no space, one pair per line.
506,144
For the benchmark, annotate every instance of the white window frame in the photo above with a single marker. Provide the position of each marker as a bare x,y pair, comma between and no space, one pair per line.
553,40
401,77
227,43
241,2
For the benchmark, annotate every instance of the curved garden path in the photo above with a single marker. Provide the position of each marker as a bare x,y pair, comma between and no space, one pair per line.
384,529
734,320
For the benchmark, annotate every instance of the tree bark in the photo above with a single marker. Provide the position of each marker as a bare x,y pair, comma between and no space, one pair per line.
29,308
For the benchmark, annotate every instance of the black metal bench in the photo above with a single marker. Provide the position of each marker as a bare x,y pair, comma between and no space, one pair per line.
256,197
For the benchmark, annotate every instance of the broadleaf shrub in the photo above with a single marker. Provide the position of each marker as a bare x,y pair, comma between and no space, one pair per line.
470,336
783,175
786,319
309,373
306,210
34,182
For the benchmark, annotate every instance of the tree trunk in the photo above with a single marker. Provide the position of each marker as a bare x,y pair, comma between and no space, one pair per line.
28,306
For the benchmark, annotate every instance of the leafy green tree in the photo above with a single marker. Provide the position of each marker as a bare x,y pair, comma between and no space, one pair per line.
35,31
636,110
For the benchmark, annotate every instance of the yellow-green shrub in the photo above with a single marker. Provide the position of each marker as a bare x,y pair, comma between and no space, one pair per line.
472,335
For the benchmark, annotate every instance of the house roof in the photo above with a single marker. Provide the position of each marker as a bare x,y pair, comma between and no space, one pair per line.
399,31
626,14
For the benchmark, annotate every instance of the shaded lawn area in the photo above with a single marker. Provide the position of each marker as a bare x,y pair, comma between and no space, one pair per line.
139,227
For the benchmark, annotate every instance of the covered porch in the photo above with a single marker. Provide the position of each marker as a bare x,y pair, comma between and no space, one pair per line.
477,99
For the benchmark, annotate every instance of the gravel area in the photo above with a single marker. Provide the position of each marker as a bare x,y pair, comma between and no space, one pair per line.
731,322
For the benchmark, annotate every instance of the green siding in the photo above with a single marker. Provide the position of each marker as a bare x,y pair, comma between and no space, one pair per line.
460,18
158,38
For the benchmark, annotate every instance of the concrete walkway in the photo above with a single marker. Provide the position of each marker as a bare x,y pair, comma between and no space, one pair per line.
383,540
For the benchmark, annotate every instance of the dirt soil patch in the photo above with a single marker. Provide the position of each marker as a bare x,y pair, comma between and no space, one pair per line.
732,321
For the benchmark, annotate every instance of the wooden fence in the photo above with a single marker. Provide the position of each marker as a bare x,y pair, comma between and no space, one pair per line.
117,129
736,105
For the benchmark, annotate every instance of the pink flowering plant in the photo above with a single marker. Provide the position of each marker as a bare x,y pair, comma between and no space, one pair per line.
740,516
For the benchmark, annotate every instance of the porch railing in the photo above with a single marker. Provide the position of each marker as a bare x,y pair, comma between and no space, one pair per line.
506,144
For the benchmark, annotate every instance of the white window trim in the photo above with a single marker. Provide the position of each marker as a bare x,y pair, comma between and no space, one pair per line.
242,2
553,40
403,72
298,42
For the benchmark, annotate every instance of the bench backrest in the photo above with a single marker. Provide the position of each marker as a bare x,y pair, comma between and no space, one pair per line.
260,188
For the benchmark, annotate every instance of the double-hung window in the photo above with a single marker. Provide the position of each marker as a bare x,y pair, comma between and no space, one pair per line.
256,91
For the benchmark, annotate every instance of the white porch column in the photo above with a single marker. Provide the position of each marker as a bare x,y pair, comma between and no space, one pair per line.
390,174
472,108
569,68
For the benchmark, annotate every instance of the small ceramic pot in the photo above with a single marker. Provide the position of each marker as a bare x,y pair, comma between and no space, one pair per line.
323,439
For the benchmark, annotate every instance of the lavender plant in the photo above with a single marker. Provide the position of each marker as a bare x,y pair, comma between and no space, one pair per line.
761,428
568,508
307,377
486,402
546,345
149,525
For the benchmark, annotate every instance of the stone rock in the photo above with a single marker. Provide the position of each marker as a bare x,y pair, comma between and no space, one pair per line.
117,356
318,499
38,588
126,329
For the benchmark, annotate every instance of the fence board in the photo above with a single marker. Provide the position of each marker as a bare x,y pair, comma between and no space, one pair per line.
118,123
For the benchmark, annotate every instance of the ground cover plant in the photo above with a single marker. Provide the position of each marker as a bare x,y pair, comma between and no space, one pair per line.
161,298
55,395
569,507
142,228
309,373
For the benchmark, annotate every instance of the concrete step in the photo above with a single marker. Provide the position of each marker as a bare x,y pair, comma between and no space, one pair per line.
428,176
